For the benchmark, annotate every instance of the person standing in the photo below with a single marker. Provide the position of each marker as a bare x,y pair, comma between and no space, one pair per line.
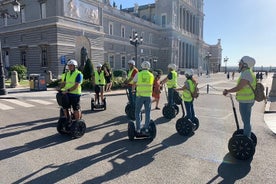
129,82
156,91
108,77
71,86
244,94
171,81
143,84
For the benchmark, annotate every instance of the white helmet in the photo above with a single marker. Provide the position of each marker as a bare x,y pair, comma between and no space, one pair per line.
247,61
132,62
145,65
189,72
172,66
72,62
99,65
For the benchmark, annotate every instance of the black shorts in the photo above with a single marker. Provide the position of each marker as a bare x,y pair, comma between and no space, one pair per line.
98,89
108,79
70,100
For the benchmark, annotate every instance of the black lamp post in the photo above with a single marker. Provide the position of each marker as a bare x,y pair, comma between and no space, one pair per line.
225,62
155,62
6,14
208,62
135,41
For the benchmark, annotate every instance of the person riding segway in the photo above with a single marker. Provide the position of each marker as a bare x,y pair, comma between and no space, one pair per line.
130,107
143,85
170,109
242,143
189,123
69,96
99,83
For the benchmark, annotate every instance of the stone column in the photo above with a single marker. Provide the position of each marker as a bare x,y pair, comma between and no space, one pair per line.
49,77
14,79
272,92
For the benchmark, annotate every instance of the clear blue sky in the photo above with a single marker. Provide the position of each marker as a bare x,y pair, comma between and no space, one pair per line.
245,27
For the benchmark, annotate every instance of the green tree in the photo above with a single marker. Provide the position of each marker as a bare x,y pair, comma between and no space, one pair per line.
88,70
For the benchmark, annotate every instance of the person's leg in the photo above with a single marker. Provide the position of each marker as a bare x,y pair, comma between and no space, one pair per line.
245,111
138,107
102,96
97,91
76,107
188,110
170,96
130,95
192,111
147,104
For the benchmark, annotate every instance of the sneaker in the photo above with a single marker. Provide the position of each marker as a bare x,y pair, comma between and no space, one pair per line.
157,108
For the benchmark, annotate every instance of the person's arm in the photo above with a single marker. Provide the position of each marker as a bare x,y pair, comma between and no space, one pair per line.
239,86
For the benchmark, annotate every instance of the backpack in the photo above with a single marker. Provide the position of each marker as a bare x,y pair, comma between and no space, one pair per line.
195,94
259,92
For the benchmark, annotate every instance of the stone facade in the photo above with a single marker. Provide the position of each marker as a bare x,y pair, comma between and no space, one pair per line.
48,30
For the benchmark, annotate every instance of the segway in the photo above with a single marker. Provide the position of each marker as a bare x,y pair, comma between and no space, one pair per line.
130,108
170,111
184,126
240,146
69,126
97,105
132,133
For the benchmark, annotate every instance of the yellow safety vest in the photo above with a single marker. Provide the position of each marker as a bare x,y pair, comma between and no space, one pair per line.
246,93
129,75
172,83
99,78
144,83
70,82
186,95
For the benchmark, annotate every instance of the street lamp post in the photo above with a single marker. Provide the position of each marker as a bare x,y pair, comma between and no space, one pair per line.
135,41
155,62
225,62
208,62
5,14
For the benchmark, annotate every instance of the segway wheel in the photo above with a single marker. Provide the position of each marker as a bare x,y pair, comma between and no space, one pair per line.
131,131
176,109
78,128
184,126
127,108
61,125
92,104
131,113
169,112
241,147
152,129
253,136
196,123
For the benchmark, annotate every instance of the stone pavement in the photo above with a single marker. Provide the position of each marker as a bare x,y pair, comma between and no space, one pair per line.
24,92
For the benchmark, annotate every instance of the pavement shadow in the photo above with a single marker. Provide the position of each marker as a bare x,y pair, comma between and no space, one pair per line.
124,155
231,170
113,122
41,124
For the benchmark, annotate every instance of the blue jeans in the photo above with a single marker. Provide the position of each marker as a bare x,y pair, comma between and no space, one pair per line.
140,101
245,111
170,96
190,110
131,96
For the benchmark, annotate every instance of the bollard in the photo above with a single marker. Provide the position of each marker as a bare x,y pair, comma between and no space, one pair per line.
49,77
207,88
14,79
273,86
